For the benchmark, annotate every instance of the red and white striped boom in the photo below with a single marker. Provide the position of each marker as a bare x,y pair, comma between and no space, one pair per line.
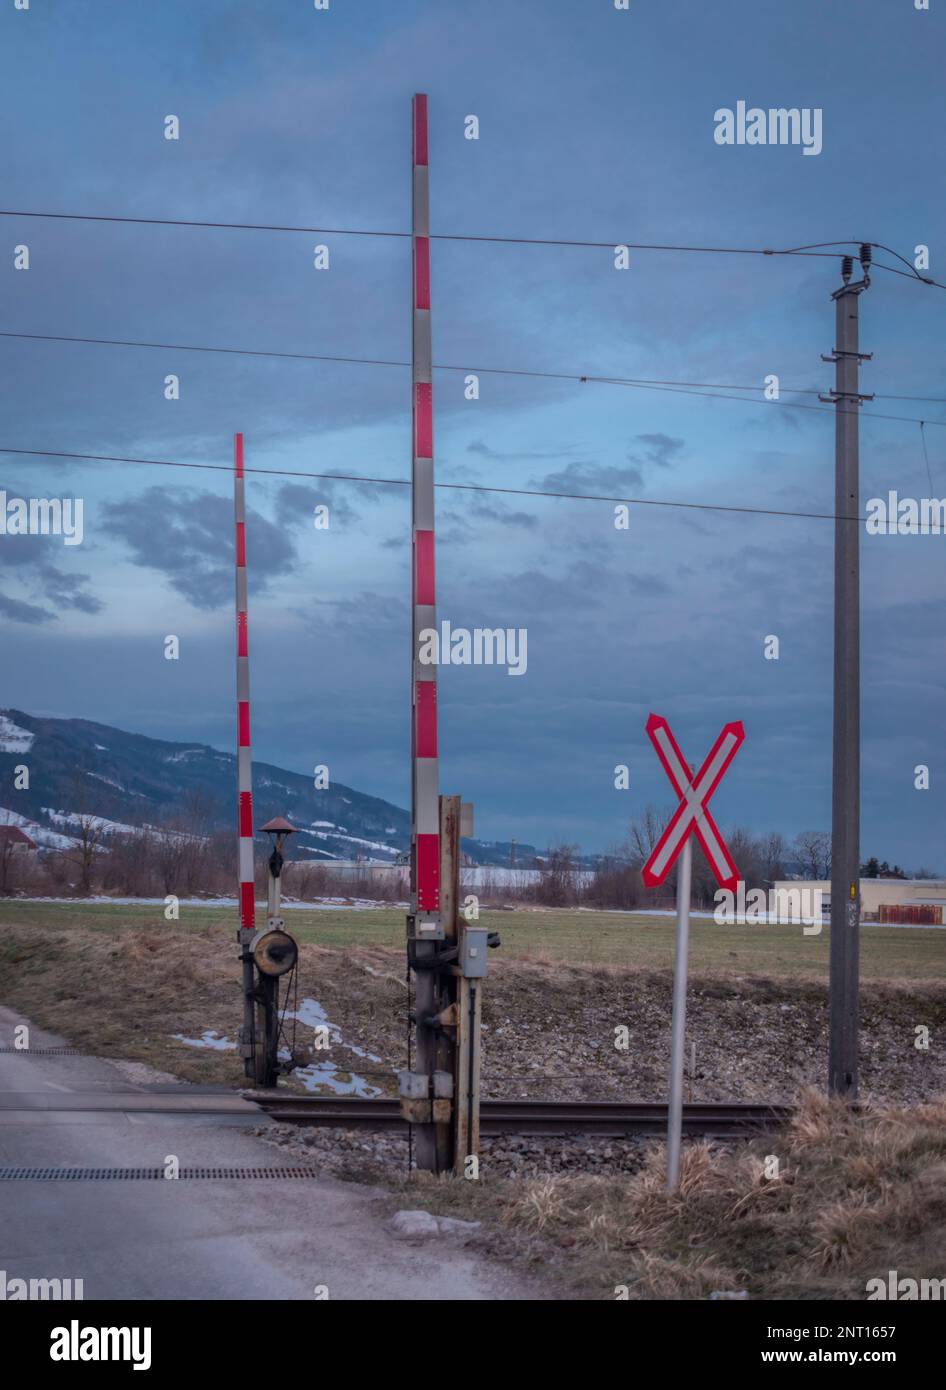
244,757
425,808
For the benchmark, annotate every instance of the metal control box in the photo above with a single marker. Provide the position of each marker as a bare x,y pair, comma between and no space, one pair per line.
423,928
473,950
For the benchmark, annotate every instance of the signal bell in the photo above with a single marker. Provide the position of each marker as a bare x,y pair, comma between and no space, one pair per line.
275,952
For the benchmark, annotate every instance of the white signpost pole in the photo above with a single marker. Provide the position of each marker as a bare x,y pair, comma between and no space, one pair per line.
692,817
678,1025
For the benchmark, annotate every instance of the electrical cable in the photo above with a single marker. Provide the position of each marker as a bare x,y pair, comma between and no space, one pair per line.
708,389
813,249
455,487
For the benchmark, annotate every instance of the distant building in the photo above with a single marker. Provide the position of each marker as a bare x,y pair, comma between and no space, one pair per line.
921,901
13,836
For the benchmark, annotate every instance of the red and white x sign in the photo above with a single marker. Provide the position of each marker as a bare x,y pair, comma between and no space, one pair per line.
694,794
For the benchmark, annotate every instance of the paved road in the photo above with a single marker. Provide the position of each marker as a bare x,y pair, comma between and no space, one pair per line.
193,1239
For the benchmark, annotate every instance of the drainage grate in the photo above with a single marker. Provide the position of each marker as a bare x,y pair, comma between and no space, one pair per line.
41,1051
137,1174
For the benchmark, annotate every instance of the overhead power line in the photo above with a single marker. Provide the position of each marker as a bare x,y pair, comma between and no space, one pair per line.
710,389
814,249
453,487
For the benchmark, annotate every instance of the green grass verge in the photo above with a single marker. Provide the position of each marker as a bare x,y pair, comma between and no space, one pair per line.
595,938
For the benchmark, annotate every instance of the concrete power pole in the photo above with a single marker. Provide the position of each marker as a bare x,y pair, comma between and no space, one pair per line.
843,1020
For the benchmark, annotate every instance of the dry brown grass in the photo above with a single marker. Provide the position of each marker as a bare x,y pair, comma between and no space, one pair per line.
856,1195
126,990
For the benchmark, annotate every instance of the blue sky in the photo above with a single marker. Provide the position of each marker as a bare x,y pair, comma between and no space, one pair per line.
595,124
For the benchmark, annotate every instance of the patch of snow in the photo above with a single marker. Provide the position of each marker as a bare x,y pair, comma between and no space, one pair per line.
108,827
328,1074
49,839
13,739
311,1014
115,827
109,781
99,777
371,844
211,1038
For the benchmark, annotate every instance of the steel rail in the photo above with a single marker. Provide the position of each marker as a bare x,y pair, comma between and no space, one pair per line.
539,1117
607,1118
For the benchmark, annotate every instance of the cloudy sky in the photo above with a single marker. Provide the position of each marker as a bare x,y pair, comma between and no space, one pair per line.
595,125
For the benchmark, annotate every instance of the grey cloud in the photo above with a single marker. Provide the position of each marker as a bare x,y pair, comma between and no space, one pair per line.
647,584
295,504
19,612
491,511
592,477
28,556
462,525
188,537
659,449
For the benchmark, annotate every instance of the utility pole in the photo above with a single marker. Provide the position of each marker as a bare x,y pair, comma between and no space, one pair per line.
247,899
843,1021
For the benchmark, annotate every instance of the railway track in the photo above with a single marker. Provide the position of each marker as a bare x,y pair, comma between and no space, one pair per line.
548,1117
539,1117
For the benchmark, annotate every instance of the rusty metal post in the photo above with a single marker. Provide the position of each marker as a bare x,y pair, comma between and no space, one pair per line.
447,986
470,976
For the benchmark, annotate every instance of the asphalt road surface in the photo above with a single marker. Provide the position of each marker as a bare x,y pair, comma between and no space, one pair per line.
192,1238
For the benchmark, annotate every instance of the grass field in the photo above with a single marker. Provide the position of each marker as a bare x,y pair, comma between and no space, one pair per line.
630,941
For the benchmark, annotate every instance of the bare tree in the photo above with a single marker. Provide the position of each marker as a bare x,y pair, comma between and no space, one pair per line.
813,848
172,856
87,831
7,846
558,880
616,882
772,851
645,830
